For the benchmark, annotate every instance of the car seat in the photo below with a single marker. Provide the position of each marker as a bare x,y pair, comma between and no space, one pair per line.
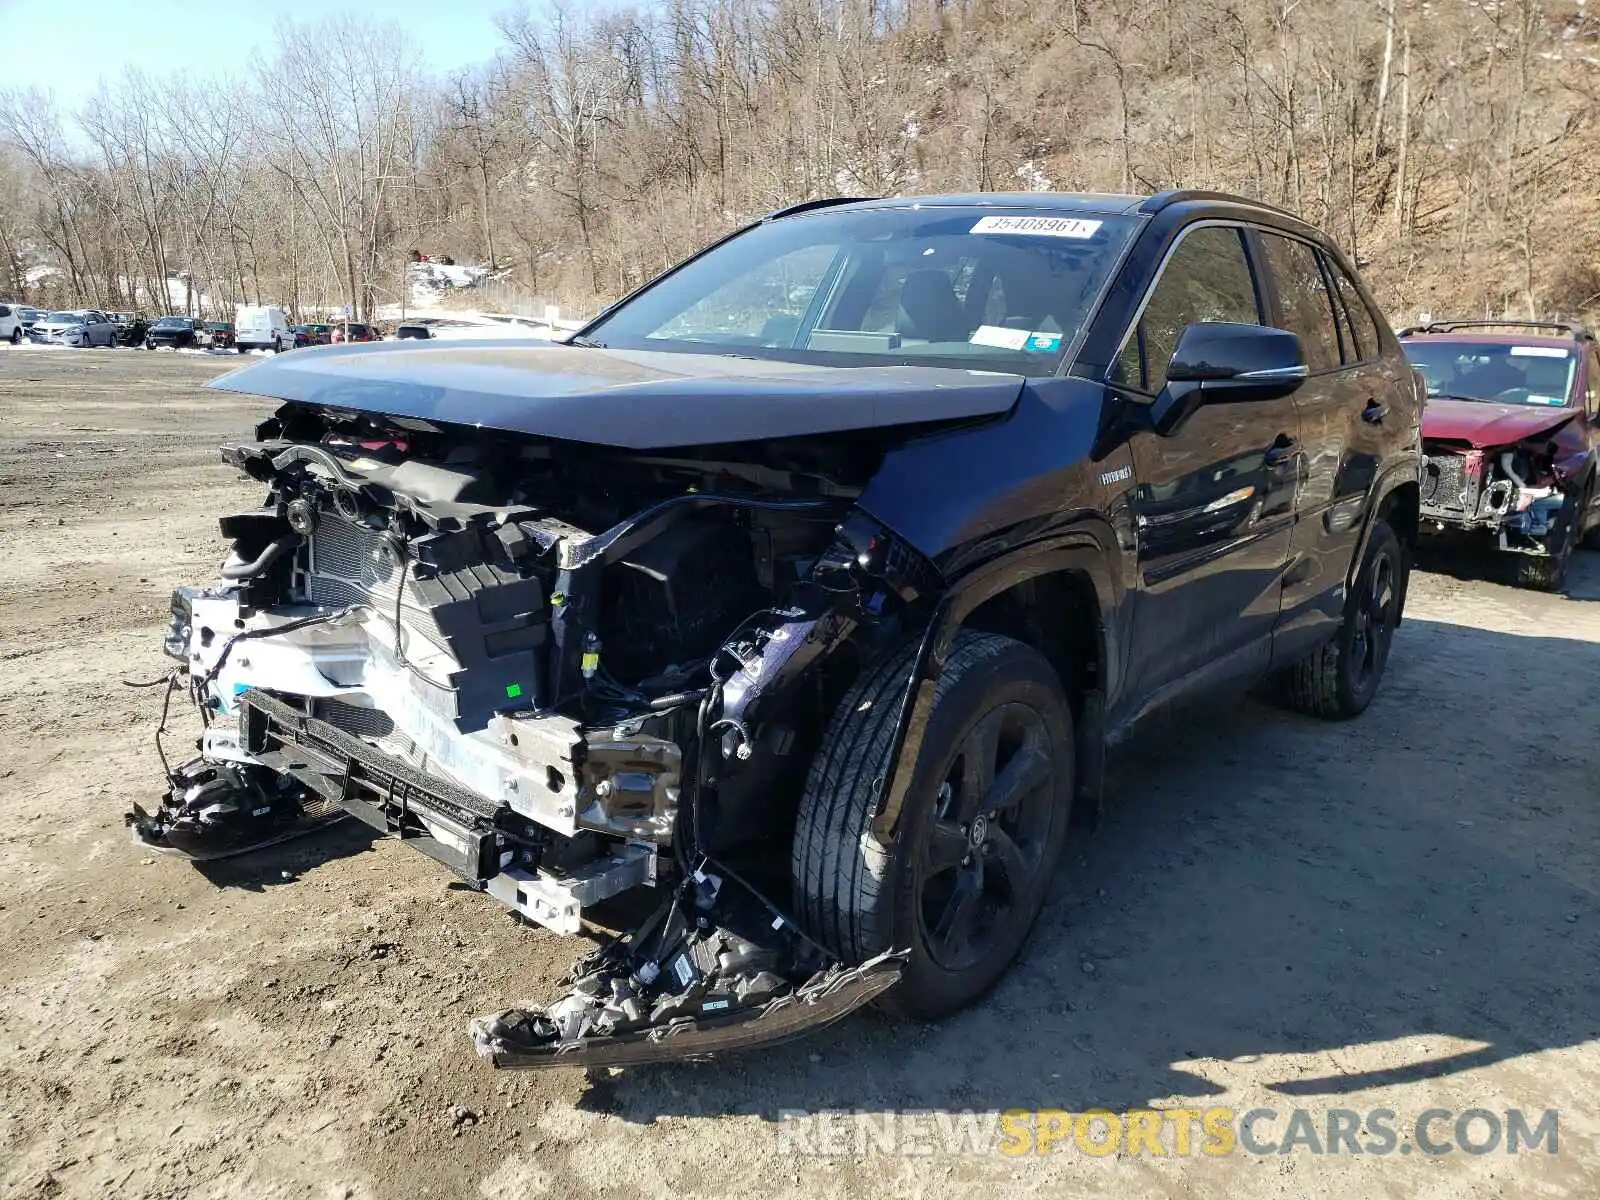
929,309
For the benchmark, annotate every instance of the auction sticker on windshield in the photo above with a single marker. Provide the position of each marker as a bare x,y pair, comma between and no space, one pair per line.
1067,227
1015,339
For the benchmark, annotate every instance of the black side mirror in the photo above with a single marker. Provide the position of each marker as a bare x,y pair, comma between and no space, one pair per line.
1221,362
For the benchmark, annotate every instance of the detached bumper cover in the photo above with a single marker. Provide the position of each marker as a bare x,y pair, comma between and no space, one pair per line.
525,1039
716,968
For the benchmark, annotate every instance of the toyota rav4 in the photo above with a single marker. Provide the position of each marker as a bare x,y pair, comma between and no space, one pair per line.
806,586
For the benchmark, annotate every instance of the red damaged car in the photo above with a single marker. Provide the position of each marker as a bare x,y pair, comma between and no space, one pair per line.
1509,437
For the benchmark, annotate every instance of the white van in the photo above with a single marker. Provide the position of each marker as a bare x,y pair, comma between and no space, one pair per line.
261,327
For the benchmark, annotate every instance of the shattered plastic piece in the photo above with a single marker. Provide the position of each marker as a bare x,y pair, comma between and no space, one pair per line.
522,1039
217,810
690,983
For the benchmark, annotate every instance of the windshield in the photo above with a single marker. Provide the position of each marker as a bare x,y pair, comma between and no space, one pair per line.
65,318
957,287
1496,372
173,323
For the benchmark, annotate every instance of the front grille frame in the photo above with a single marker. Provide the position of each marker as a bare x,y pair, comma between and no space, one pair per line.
1450,487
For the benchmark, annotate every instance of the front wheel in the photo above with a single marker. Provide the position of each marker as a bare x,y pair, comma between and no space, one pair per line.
1548,572
16,336
1588,532
983,825
1340,678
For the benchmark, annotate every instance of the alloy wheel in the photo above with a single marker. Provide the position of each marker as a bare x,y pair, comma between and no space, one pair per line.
1375,619
983,856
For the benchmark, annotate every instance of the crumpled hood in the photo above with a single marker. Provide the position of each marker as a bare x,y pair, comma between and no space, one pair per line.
1483,424
634,399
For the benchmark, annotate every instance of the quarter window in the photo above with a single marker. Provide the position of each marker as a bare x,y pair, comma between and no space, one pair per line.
1207,278
1361,318
1307,307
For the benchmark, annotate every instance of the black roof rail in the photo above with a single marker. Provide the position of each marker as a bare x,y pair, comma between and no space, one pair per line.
809,205
1571,328
1173,196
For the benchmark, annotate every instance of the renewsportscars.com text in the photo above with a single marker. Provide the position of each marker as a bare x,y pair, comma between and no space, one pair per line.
1171,1132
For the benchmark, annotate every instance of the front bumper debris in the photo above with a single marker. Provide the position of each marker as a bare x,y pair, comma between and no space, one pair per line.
715,969
214,810
1470,492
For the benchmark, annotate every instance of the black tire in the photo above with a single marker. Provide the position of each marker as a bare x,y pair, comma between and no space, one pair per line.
1548,572
1544,574
1589,535
964,918
16,336
1339,678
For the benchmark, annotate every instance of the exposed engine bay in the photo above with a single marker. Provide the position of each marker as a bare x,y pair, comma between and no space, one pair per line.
1518,494
550,667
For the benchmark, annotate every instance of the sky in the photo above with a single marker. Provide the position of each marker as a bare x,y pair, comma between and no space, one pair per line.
68,47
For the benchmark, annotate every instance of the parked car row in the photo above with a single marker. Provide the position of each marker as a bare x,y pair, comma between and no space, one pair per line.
179,333
256,327
318,333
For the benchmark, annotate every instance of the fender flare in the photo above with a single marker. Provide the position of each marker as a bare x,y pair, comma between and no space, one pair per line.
1386,484
1076,550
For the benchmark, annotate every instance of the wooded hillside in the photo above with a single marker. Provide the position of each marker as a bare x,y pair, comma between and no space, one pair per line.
1449,144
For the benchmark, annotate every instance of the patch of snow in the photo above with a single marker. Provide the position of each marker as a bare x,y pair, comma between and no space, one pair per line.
1033,179
427,283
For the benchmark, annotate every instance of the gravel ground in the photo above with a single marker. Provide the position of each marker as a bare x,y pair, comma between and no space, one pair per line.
1393,913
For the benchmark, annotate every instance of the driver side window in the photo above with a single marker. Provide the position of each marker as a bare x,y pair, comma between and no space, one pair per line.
1207,278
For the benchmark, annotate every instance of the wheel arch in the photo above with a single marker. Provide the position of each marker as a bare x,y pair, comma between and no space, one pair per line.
1399,504
1057,612
1013,595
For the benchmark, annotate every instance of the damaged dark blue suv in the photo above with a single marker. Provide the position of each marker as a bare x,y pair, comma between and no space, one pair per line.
805,587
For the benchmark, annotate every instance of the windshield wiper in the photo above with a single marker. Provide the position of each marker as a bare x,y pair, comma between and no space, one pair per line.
585,343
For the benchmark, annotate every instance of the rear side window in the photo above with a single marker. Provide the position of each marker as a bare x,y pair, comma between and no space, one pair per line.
1307,307
1207,278
5,310
1364,324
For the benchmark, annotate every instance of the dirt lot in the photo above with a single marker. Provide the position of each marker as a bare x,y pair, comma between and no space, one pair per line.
1395,913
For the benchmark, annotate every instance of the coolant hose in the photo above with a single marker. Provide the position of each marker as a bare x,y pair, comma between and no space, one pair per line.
275,551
